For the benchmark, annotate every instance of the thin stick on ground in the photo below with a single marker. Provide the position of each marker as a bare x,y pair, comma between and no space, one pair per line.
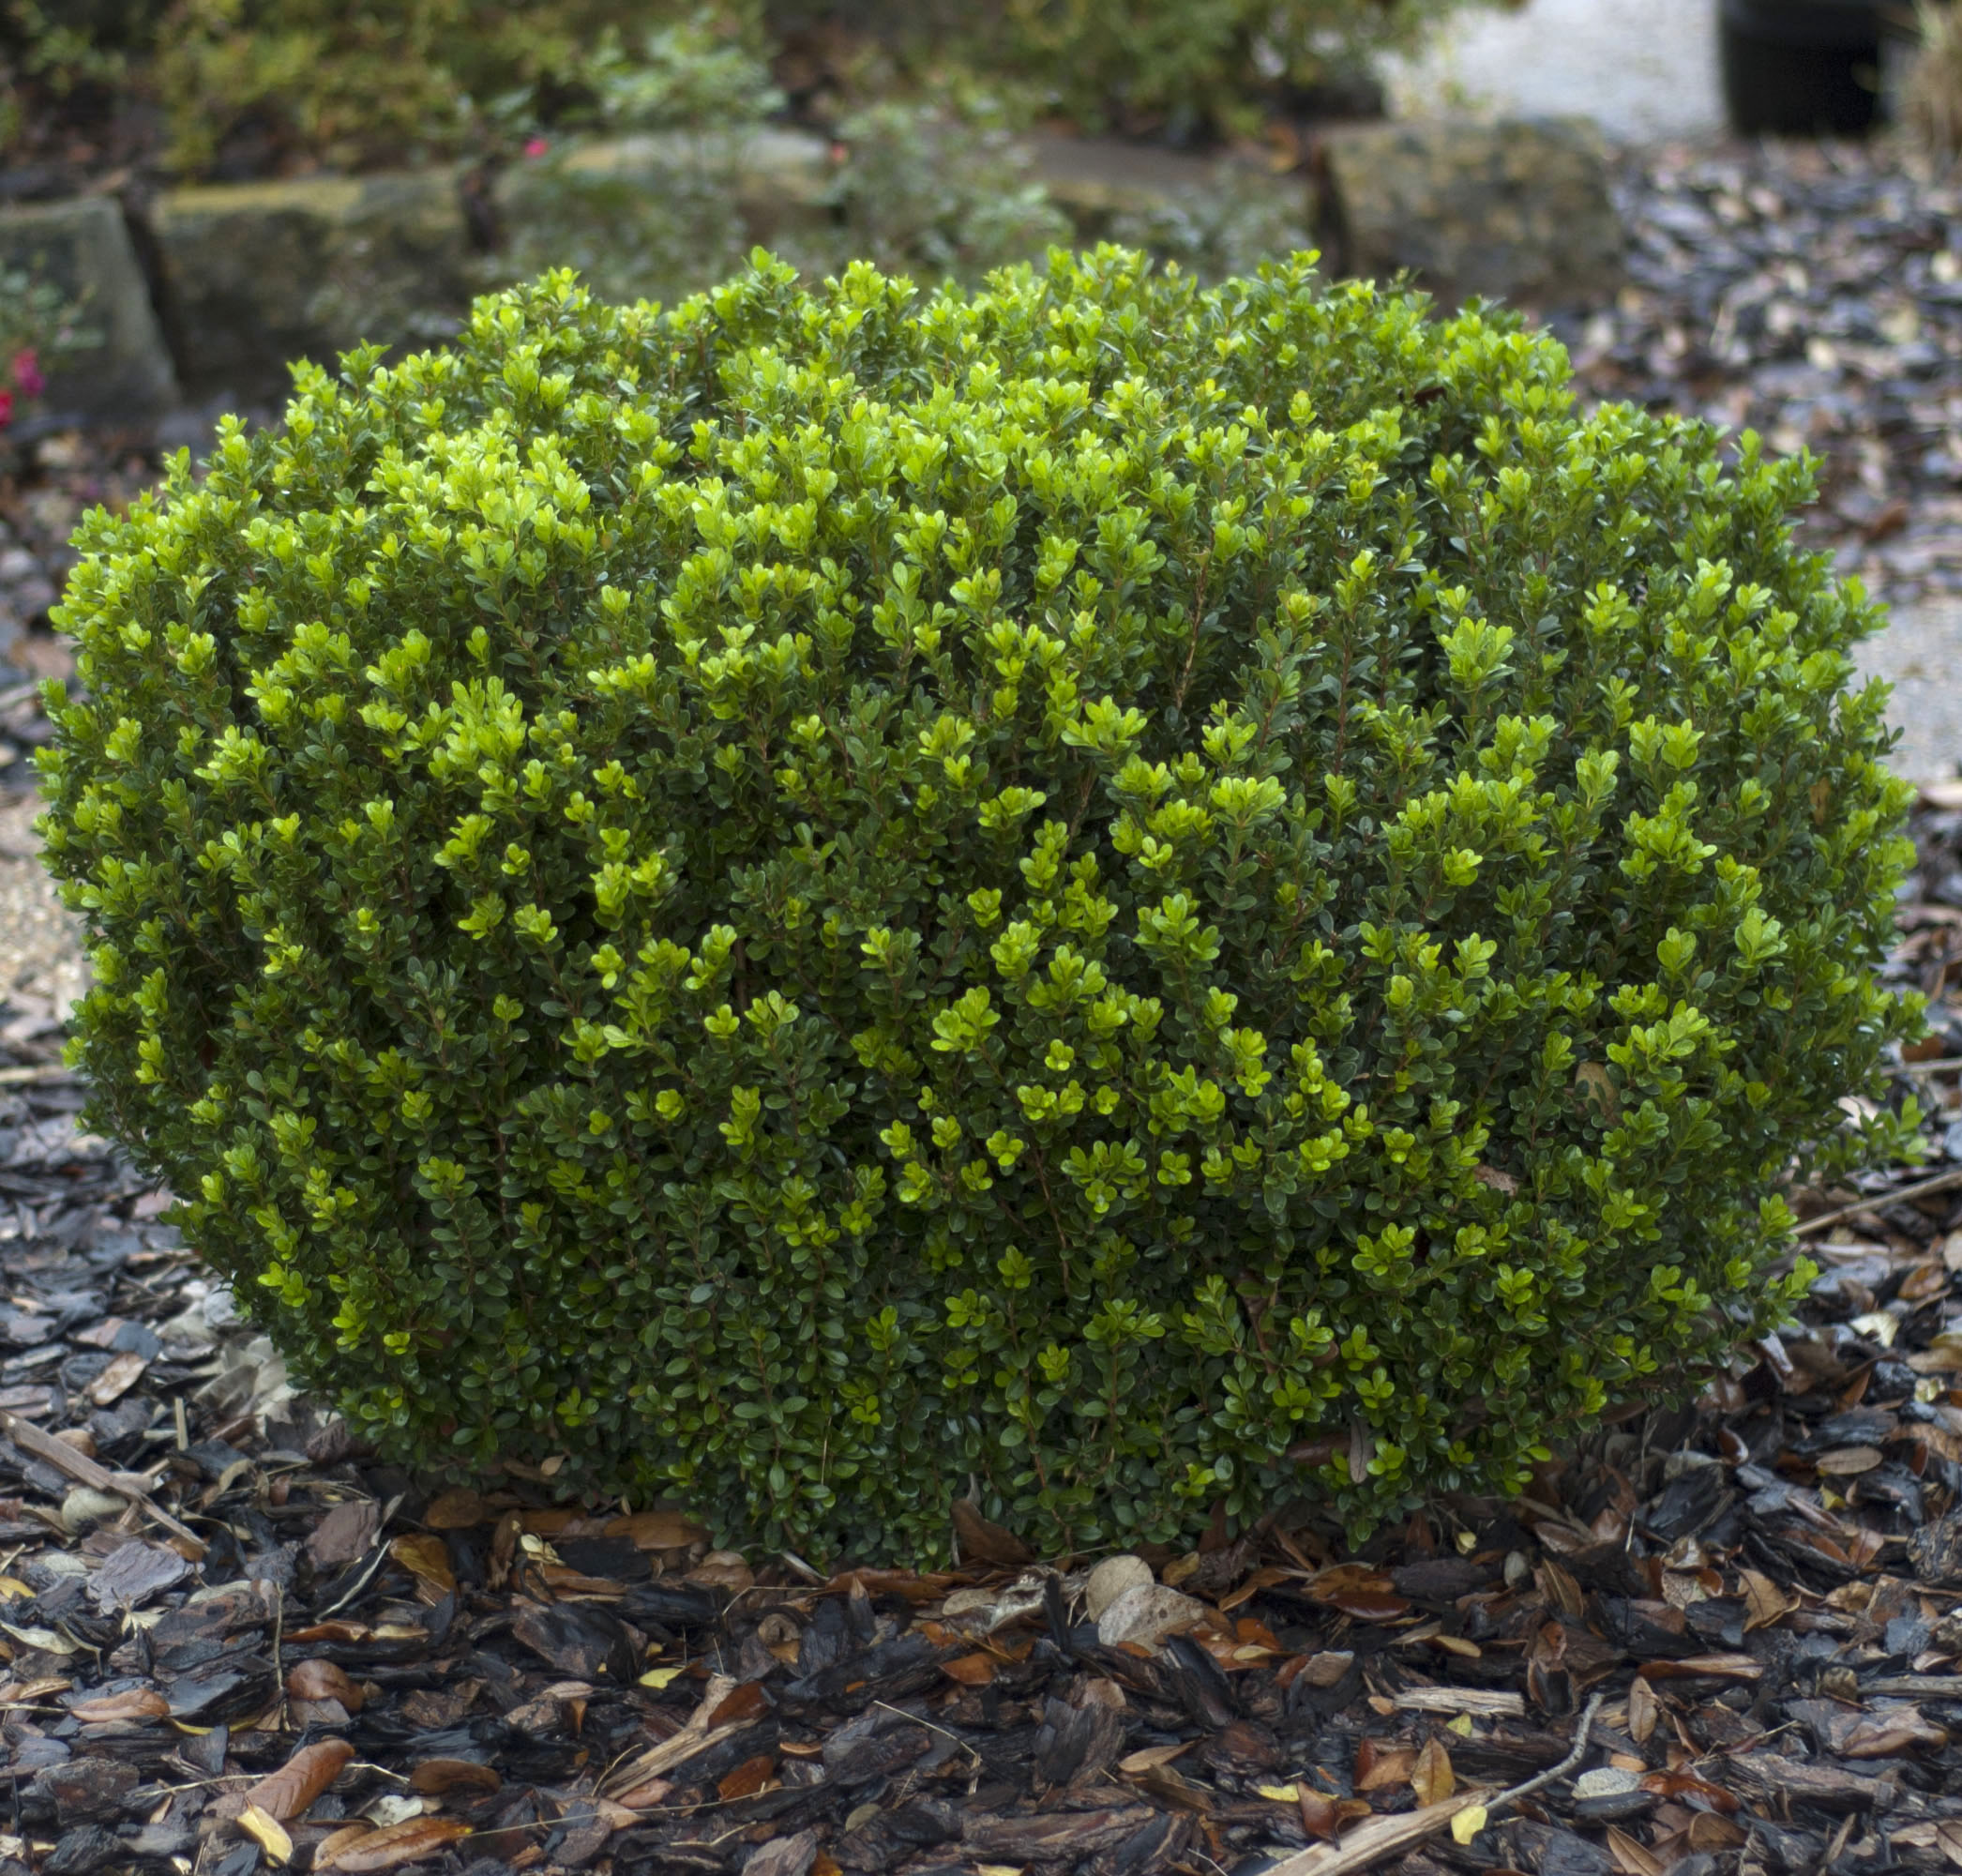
1371,1843
84,1471
1941,1182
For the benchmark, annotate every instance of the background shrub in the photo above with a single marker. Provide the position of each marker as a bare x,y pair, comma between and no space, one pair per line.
361,84
939,189
1132,894
1194,67
247,86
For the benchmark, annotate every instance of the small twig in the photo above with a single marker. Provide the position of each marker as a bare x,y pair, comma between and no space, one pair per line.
1945,1065
84,1471
364,1765
1373,1840
1941,1182
1383,1837
918,1720
279,1638
1576,1754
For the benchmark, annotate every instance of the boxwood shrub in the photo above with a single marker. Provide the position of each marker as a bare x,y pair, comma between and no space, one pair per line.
1111,895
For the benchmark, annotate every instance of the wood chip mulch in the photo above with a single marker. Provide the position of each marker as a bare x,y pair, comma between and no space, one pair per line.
1731,1631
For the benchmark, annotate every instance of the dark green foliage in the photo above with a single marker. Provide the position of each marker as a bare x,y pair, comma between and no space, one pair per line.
1139,64
815,896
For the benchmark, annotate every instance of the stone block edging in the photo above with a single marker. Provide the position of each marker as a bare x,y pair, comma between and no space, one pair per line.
245,277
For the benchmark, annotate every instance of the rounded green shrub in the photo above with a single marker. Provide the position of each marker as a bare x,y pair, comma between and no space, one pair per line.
1117,896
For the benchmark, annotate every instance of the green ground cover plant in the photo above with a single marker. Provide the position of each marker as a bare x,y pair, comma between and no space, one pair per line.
1123,896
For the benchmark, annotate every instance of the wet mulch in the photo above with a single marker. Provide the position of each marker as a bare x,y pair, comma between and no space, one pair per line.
1731,1632
1811,291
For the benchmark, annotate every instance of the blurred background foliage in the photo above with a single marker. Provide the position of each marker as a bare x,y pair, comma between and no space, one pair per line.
266,84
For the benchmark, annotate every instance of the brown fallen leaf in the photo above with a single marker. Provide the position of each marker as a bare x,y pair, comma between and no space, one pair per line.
722,1569
288,1793
1369,1605
1319,1816
1630,1858
320,1680
971,1670
337,1841
372,1852
1891,1731
458,1509
434,1777
1644,1711
748,1702
426,1557
1381,1766
1848,1461
1431,1777
644,1797
134,1703
1709,1832
1718,1667
346,1533
1924,1283
658,1531
1687,1785
984,1542
747,1778
1948,1839
1764,1602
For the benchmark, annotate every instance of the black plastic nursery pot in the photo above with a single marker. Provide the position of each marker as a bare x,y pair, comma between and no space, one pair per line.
1801,68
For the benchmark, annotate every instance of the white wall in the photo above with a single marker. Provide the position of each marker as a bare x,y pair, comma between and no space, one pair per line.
1645,71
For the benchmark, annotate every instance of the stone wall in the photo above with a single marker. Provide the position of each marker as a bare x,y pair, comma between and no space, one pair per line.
85,249
208,292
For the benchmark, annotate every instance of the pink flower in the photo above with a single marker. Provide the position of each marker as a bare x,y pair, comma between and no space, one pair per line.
6,408
537,146
27,374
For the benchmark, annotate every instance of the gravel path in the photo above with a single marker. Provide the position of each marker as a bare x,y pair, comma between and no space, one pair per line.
1921,654
1813,293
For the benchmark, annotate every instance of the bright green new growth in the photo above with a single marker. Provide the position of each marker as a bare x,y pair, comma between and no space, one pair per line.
815,896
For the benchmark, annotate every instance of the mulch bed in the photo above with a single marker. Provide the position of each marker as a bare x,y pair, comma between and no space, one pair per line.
229,1643
1813,291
